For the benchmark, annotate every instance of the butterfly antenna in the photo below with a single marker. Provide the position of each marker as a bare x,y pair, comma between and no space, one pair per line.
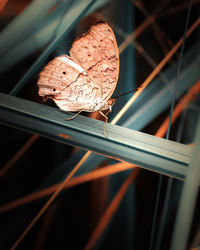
126,93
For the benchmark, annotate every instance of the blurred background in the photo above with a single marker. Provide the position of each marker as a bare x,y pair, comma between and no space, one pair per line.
145,31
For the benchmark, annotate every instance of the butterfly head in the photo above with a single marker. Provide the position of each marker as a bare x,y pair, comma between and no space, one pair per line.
108,104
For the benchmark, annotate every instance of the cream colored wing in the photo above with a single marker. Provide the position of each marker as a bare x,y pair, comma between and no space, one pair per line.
97,53
68,85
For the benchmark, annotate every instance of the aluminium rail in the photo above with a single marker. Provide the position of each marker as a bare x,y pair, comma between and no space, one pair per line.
150,152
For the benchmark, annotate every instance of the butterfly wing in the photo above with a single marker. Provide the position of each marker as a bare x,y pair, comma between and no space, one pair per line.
68,85
97,53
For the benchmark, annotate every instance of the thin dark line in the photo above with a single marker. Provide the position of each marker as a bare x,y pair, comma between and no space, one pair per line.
179,68
169,185
126,93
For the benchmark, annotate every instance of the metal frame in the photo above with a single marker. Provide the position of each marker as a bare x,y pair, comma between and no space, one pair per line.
156,154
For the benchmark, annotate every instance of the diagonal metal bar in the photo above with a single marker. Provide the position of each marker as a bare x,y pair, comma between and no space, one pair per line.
83,9
22,23
150,152
188,198
43,34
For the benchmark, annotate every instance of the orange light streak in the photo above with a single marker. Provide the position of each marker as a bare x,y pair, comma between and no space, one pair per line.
45,226
159,34
51,199
154,72
179,108
96,174
108,214
175,9
149,20
18,154
2,4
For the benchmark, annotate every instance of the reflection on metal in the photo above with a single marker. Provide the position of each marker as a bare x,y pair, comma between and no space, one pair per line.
156,154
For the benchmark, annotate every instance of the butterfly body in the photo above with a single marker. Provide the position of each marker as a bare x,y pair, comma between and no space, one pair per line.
86,80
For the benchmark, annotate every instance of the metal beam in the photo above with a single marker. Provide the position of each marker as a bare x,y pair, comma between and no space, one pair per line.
188,198
150,152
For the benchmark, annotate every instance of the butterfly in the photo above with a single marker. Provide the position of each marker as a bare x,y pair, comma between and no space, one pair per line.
85,80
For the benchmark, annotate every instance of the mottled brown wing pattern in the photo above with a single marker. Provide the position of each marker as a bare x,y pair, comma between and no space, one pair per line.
86,80
97,53
68,85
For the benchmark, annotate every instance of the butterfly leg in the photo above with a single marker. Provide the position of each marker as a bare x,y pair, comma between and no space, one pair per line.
106,120
68,119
